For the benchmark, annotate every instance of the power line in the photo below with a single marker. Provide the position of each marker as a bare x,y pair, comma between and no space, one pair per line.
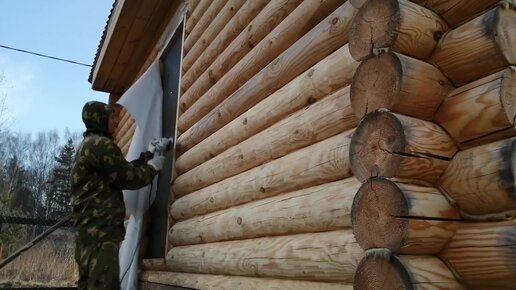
46,56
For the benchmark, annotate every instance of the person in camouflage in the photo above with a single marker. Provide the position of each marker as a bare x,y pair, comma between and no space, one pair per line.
99,174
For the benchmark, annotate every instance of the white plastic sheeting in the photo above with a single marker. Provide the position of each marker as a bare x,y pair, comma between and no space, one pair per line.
143,100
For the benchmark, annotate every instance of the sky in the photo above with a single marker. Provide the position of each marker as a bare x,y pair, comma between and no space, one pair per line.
43,94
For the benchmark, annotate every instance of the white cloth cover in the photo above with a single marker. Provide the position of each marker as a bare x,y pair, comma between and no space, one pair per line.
143,100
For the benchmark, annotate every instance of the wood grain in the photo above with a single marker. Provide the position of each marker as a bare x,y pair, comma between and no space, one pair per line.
197,13
285,214
316,122
456,12
329,256
481,180
319,163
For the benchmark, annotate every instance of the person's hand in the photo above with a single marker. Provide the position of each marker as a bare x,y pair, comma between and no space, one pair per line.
152,145
157,162
163,144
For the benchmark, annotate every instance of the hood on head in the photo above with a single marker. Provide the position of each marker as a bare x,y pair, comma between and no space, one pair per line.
95,116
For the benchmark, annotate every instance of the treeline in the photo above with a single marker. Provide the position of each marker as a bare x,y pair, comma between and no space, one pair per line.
34,180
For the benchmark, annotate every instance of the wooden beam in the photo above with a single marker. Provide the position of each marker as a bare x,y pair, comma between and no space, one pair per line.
485,107
329,74
265,22
483,255
480,180
399,83
403,218
226,282
456,12
378,270
319,163
479,47
194,65
203,23
196,14
326,257
325,38
323,119
391,145
285,214
399,25
219,22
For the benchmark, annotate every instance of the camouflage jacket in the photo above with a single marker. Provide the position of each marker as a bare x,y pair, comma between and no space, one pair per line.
99,174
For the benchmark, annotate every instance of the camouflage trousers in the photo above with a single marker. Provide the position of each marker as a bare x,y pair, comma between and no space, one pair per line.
98,265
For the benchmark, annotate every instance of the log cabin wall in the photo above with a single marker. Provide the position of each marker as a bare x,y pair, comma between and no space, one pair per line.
329,144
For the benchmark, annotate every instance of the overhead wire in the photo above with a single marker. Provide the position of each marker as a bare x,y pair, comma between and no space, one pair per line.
45,56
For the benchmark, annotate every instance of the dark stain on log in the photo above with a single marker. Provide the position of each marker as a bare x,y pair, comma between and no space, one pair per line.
507,172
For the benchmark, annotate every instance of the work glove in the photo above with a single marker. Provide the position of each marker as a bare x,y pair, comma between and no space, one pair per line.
157,162
161,145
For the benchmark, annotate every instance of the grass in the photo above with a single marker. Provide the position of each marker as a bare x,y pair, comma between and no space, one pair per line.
49,263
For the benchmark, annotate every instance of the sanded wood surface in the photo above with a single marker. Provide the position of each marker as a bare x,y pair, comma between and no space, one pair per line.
326,37
203,23
191,7
479,47
285,214
481,180
403,218
196,15
262,33
331,73
314,123
226,282
484,255
378,271
230,8
195,66
392,145
399,25
319,163
484,107
327,256
455,12
399,83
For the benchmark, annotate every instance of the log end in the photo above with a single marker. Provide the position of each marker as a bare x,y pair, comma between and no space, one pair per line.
374,215
380,271
505,32
375,144
509,94
375,27
376,84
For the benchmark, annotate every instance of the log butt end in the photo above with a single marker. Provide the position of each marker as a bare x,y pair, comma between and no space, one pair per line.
376,84
375,144
379,271
375,26
505,32
374,215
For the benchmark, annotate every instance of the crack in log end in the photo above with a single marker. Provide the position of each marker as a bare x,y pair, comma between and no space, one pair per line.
377,272
507,174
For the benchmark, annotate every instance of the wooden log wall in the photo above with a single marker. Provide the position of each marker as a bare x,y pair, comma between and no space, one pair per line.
307,162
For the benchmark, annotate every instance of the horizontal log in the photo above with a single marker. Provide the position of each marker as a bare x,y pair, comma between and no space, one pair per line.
484,107
483,255
481,180
331,73
225,282
195,66
322,40
319,163
285,214
329,256
403,218
197,13
264,38
191,7
399,83
225,14
456,12
399,25
153,265
392,145
203,23
316,122
479,47
379,270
